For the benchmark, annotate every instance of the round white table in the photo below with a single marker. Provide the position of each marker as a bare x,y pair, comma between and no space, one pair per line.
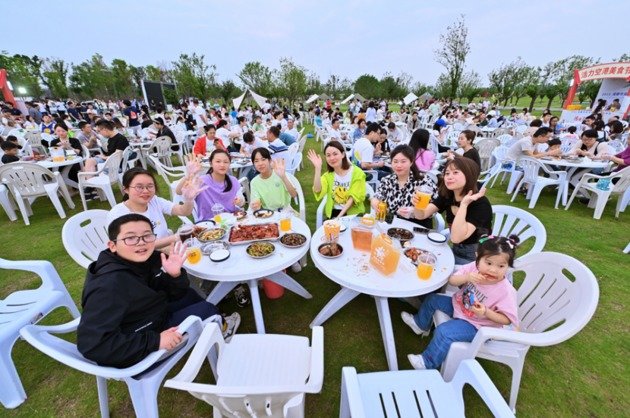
353,272
65,166
241,268
571,166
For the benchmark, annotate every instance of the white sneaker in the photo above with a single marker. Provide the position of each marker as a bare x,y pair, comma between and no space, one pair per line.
232,321
408,319
417,362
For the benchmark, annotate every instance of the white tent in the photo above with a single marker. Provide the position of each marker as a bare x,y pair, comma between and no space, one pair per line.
353,96
247,94
410,98
312,98
347,99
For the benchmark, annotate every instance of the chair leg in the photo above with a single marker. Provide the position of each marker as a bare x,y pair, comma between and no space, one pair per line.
534,193
23,209
518,187
66,195
109,194
11,391
600,204
144,397
517,371
82,194
514,178
575,191
103,400
5,201
54,198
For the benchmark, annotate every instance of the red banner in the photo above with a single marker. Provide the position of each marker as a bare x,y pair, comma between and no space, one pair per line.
600,71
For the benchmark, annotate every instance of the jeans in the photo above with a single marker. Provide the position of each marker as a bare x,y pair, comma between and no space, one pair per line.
464,253
190,304
445,334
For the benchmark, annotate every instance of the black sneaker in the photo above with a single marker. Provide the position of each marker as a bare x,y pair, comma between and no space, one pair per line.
241,294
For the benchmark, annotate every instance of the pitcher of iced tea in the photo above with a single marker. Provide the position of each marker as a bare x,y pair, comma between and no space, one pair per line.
383,255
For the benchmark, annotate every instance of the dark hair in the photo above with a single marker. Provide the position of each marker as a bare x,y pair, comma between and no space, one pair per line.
616,127
490,245
248,137
542,131
360,121
471,171
62,126
571,129
335,120
590,133
104,123
470,135
206,128
221,123
240,119
131,174
345,164
372,127
408,153
83,124
419,141
536,123
554,141
8,145
275,131
158,120
264,153
127,102
228,181
114,227
12,138
391,125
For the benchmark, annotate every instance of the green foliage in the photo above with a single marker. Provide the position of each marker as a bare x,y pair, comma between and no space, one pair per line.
55,76
452,55
258,77
122,79
193,77
509,80
227,91
368,86
337,87
23,72
92,79
292,79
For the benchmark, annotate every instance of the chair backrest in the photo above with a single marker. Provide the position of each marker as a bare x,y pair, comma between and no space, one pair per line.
34,138
616,145
161,146
294,163
127,161
169,174
557,297
509,220
84,236
623,183
27,179
300,196
113,166
531,167
485,148
244,182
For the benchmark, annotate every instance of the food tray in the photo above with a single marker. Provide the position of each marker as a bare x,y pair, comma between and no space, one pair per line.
273,233
293,234
258,257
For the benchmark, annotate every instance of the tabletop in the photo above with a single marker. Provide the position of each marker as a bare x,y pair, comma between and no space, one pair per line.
352,269
240,266
56,164
579,163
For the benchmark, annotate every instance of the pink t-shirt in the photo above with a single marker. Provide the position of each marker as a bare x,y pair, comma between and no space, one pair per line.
424,160
500,297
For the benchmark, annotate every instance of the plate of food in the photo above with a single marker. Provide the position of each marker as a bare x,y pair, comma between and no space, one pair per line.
211,234
401,234
412,253
367,220
263,213
330,250
240,215
246,234
261,249
293,240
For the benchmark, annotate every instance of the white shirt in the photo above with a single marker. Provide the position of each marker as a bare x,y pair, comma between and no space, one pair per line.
155,212
258,143
363,150
343,183
517,149
370,115
197,114
395,135
293,132
224,135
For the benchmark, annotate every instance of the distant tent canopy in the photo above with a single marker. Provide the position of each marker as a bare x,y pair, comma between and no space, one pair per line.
312,98
425,96
410,98
260,100
353,96
324,96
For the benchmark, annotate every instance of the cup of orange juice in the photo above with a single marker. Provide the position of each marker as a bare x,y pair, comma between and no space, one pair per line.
193,255
217,210
332,228
423,194
426,262
285,221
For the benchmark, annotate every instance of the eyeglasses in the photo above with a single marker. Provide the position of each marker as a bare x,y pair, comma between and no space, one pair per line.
148,238
139,188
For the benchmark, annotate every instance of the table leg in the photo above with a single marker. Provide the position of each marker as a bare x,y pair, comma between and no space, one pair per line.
384,317
338,301
220,290
258,316
290,283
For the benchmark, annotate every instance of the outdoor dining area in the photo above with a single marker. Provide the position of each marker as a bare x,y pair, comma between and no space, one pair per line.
312,267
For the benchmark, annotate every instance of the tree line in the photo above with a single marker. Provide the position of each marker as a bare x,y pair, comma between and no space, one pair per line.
194,77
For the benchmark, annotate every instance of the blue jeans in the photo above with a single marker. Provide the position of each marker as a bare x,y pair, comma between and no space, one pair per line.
464,253
445,334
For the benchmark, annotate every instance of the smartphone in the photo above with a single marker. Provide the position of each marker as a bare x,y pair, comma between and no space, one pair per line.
421,230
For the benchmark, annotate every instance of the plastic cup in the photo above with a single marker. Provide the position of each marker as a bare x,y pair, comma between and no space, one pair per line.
217,210
185,232
193,255
285,221
332,228
426,263
423,194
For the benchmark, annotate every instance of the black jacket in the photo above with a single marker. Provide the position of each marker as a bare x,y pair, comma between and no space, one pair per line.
125,308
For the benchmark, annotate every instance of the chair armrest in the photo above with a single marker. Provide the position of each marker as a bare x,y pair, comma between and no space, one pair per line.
470,372
485,334
316,375
57,329
44,269
350,392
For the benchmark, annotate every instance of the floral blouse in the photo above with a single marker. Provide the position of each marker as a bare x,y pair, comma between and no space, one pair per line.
396,197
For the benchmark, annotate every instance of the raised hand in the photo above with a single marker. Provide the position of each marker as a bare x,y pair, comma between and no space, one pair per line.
470,197
169,338
192,187
193,164
278,165
238,201
315,159
476,278
176,257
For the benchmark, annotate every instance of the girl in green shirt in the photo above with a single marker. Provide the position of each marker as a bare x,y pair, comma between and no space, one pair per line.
343,184
271,188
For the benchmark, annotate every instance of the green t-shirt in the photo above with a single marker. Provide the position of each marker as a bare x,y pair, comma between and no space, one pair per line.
272,192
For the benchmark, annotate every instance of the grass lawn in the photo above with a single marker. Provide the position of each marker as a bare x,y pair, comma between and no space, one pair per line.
585,376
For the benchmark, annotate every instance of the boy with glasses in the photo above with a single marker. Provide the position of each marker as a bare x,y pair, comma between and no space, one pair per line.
135,297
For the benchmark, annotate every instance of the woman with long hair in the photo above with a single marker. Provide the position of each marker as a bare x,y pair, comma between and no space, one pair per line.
423,156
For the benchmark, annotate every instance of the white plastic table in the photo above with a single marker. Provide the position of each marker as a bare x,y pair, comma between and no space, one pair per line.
65,168
571,166
241,268
353,272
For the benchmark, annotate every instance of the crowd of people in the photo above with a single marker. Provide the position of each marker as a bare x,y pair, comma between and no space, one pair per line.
157,294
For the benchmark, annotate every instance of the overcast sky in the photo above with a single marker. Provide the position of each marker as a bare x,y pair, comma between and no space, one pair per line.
346,38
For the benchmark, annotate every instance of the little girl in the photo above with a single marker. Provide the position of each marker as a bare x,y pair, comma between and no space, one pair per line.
485,299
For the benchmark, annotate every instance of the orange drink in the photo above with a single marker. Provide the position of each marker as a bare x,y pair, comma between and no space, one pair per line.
425,266
217,219
361,239
193,255
423,200
332,228
285,223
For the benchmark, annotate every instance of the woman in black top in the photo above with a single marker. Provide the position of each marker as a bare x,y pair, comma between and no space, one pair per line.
164,130
465,142
468,212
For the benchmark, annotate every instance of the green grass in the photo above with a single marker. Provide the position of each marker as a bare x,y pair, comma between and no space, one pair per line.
585,376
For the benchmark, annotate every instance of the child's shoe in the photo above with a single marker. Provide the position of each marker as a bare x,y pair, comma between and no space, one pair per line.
408,319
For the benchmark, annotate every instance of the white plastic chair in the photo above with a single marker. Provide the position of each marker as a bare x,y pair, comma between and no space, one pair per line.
244,182
257,375
294,164
84,236
161,148
24,307
143,379
531,167
127,160
6,203
500,164
171,176
599,198
485,148
553,306
26,181
102,179
299,199
509,220
416,393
